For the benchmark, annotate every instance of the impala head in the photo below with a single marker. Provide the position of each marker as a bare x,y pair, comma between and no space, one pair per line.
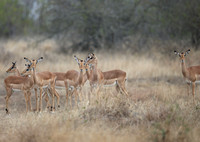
13,68
81,63
91,59
27,70
33,63
182,54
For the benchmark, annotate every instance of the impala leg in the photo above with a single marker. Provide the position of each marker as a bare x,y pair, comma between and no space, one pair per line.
76,96
193,91
188,88
81,94
26,100
117,88
97,92
9,93
46,95
53,97
124,90
71,97
67,93
67,97
29,100
58,98
36,99
40,100
122,87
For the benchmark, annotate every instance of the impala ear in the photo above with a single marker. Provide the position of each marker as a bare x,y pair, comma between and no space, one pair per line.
77,60
187,52
94,56
87,59
27,60
176,53
14,63
39,60
28,65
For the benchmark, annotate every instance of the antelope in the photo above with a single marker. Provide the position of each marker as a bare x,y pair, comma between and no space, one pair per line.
41,79
69,80
14,69
18,83
60,84
95,76
190,74
78,81
117,77
46,89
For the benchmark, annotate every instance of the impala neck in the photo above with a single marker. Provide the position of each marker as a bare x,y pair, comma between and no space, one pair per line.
81,76
17,72
87,73
34,75
94,71
85,77
183,67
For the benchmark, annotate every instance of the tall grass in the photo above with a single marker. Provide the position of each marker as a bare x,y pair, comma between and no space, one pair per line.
157,109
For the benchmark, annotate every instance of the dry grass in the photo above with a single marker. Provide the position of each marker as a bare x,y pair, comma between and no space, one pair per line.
158,108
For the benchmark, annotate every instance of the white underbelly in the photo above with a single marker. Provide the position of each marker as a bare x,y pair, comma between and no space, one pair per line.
60,85
110,82
109,85
197,82
16,90
17,87
45,86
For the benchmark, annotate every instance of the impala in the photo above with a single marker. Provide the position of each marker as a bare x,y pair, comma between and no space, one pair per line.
41,80
78,82
117,77
70,79
18,83
191,74
46,89
95,76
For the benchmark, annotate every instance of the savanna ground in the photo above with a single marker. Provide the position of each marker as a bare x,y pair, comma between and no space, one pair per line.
157,109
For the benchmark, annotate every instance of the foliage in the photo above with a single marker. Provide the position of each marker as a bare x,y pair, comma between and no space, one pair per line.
13,18
101,23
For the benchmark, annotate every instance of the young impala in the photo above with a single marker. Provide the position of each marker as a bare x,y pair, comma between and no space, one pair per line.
191,74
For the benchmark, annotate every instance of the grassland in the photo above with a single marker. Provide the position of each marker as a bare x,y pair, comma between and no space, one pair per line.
157,109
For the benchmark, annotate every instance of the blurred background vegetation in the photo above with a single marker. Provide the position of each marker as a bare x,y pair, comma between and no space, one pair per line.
102,24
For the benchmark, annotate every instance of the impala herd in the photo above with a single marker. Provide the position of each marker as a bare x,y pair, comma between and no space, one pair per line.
72,81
